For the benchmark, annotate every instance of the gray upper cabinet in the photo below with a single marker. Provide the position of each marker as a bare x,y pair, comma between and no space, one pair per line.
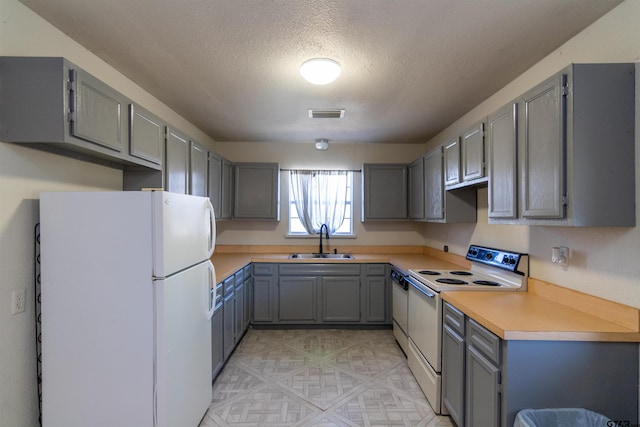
385,192
473,154
177,162
503,149
575,150
56,106
146,135
449,206
257,191
464,158
451,158
543,155
226,195
416,189
198,169
434,185
215,182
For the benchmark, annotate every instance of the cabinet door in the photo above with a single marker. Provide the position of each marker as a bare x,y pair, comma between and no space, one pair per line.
229,333
215,183
453,374
239,312
543,149
97,113
376,300
483,391
503,162
177,162
433,185
297,299
416,189
472,149
146,135
257,191
198,167
341,299
452,162
385,192
263,304
247,303
226,190
217,341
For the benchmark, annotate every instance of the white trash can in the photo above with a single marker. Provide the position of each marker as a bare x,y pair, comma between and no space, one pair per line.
560,417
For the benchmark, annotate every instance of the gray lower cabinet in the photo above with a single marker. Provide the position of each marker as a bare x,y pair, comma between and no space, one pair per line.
238,306
257,191
501,377
54,105
297,299
340,298
322,293
229,333
217,333
385,192
247,297
566,175
376,293
265,282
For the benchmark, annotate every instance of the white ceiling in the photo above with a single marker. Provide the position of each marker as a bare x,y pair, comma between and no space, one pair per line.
409,67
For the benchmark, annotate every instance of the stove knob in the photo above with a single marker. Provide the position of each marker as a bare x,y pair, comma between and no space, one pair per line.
488,256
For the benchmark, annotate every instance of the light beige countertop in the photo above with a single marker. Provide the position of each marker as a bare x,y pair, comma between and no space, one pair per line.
544,312
549,312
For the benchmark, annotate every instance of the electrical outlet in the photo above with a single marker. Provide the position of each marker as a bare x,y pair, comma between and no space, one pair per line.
18,300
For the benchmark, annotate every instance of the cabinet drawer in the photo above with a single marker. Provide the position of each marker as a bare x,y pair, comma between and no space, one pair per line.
454,318
219,295
375,269
228,285
484,341
319,269
263,269
239,276
247,271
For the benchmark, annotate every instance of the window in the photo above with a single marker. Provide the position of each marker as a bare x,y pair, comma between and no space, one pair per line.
322,191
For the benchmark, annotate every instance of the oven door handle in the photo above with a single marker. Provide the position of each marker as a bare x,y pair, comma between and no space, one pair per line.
419,288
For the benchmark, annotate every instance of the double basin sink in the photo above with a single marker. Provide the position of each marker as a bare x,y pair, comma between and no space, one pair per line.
321,256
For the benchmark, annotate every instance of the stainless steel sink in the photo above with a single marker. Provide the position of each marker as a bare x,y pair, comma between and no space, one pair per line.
320,256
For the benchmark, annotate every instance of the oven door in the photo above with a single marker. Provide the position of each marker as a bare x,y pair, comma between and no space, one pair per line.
425,321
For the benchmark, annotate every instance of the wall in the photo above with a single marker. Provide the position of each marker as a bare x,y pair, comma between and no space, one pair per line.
305,156
24,173
604,261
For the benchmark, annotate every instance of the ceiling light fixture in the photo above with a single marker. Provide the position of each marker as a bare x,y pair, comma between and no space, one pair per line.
320,71
322,144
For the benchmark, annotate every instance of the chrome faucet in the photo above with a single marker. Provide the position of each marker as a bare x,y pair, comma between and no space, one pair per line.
326,229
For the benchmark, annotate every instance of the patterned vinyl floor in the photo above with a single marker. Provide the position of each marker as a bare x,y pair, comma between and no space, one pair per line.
319,378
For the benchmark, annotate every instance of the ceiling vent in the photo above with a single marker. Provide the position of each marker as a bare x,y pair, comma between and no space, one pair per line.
326,114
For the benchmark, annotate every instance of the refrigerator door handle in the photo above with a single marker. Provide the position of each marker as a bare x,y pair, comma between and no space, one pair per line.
212,228
211,294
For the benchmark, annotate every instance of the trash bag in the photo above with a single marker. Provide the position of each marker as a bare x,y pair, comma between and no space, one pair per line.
560,417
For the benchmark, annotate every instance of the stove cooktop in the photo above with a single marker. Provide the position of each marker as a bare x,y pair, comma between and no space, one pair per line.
491,269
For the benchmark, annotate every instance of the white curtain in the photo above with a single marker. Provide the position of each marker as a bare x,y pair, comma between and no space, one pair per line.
321,197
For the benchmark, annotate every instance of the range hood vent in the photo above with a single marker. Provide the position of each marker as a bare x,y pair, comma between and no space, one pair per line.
326,114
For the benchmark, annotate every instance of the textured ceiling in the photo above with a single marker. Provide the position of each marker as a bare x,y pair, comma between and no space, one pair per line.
409,67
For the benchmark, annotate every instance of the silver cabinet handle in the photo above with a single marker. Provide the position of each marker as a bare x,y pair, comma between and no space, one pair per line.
419,288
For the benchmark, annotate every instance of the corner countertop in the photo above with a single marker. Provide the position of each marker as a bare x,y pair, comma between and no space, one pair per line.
548,312
544,312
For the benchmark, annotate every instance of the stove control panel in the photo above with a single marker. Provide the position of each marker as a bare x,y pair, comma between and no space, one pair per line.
494,257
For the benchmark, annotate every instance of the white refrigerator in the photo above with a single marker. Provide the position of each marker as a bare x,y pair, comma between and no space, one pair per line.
126,302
